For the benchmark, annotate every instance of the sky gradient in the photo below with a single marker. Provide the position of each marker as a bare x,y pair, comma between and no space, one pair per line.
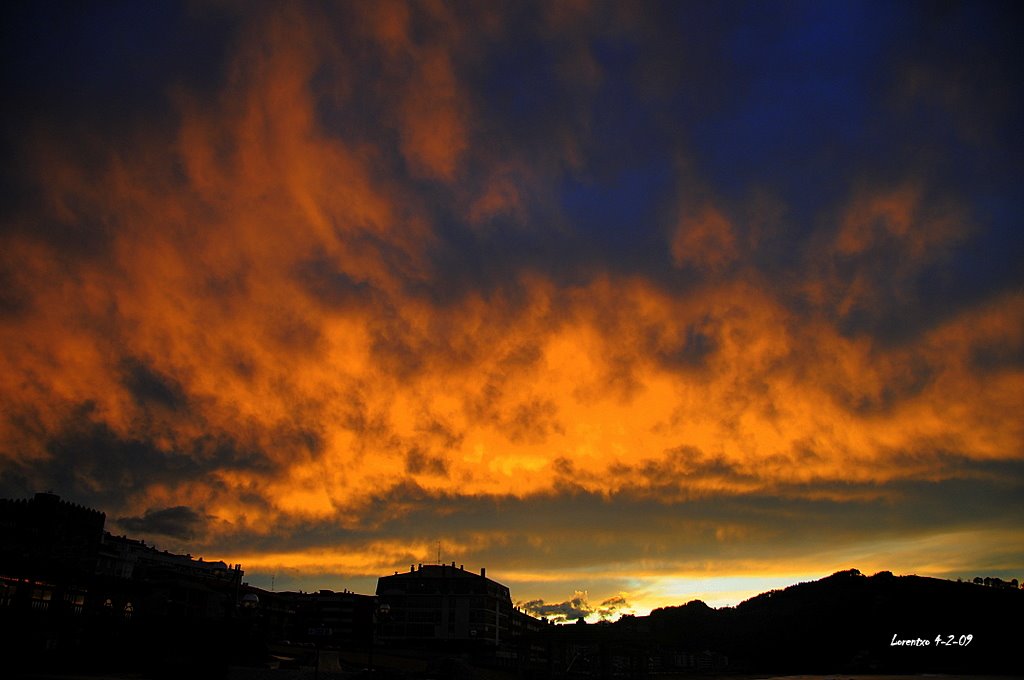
631,303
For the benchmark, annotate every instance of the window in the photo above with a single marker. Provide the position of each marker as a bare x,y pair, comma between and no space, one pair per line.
41,596
7,591
75,600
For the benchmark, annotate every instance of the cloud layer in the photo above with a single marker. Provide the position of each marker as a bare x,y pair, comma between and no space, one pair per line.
583,291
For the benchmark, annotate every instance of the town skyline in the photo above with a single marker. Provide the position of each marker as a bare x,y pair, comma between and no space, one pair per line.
43,526
574,608
638,303
75,597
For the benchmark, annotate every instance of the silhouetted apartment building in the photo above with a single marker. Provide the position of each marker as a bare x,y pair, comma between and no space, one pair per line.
329,617
48,553
68,588
174,585
443,602
131,558
48,536
75,596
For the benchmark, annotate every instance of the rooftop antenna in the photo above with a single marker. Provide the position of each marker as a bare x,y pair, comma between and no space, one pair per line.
439,552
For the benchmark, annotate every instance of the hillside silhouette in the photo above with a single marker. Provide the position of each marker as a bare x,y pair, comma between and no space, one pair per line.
848,622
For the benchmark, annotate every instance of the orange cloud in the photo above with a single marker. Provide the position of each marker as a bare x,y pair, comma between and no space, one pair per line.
262,314
433,135
704,240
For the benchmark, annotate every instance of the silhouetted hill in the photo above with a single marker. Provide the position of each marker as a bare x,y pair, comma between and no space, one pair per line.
848,622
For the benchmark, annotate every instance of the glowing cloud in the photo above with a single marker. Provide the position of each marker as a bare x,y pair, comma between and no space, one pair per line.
391,273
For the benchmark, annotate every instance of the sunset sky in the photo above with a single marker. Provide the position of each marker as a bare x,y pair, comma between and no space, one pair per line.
631,303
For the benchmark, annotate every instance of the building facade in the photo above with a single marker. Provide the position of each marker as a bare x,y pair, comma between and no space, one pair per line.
48,554
331,618
440,602
72,594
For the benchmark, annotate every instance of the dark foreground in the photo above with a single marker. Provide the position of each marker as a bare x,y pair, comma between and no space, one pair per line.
841,627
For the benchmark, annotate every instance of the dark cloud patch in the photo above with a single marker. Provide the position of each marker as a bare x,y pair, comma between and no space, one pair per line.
397,347
904,381
570,531
490,264
937,460
180,522
94,465
573,531
292,333
698,343
222,451
521,357
672,474
151,388
295,534
446,436
297,438
564,467
419,463
80,237
612,606
576,607
227,287
531,421
898,307
567,531
15,297
995,357
332,287
370,425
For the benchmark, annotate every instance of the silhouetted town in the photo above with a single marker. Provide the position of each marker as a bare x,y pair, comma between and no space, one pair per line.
76,598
